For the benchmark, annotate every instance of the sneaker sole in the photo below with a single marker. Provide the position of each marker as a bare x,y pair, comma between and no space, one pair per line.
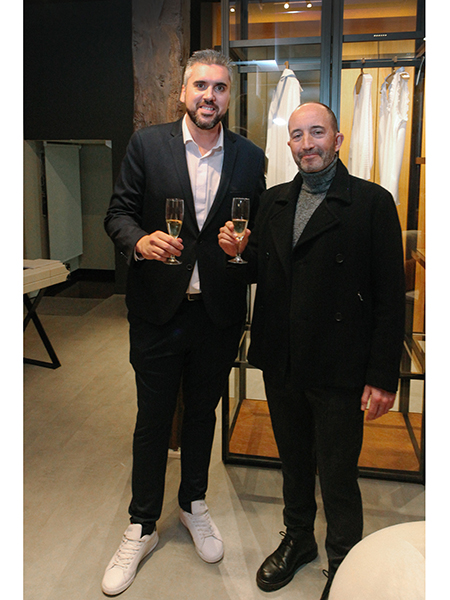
272,587
207,560
127,584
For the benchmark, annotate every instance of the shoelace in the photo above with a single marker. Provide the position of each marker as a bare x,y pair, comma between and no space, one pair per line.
126,552
203,524
287,539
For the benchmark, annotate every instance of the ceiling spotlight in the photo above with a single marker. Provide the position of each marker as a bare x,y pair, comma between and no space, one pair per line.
309,5
286,6
232,9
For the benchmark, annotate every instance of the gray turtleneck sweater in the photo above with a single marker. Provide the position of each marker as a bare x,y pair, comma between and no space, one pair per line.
314,189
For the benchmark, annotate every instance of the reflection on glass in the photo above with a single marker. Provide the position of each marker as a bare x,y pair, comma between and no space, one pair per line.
402,49
258,71
257,20
379,16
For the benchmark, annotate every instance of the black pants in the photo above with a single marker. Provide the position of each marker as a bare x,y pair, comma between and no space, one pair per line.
319,429
192,350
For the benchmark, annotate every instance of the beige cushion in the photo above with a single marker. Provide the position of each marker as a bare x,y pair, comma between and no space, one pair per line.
388,564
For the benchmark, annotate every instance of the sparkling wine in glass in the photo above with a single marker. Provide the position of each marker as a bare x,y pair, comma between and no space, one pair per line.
174,220
240,212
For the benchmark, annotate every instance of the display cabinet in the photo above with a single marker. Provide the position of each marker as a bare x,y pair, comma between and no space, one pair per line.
327,44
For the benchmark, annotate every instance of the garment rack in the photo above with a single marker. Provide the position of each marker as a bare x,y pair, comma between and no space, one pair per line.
379,63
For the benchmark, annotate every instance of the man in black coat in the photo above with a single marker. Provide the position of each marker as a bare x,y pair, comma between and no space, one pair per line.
327,332
186,319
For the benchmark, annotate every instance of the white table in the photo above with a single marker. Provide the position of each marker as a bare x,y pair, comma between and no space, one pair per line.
38,275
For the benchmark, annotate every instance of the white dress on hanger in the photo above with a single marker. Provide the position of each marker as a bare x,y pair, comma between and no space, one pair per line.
281,166
360,158
394,107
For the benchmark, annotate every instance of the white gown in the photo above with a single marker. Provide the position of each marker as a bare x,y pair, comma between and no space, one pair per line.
360,158
394,106
281,166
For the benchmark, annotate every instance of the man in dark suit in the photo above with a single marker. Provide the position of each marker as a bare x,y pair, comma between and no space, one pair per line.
327,332
185,320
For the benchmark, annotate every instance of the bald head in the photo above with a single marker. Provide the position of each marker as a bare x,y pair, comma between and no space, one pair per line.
319,107
314,138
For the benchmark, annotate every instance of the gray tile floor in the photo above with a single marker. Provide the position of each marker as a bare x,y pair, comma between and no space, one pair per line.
78,429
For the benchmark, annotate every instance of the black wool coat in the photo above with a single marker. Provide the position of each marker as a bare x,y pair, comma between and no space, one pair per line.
331,310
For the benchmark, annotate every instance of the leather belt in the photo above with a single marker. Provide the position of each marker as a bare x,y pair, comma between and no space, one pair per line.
193,297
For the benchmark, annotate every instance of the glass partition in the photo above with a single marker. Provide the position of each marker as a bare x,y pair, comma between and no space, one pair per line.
258,71
379,37
265,38
259,19
379,17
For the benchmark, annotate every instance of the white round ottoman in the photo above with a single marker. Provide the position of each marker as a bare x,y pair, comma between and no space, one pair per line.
388,564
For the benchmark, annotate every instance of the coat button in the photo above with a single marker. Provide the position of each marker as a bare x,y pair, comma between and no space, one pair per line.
339,258
338,316
189,267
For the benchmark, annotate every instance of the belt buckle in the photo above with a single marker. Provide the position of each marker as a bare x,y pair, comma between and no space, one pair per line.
192,297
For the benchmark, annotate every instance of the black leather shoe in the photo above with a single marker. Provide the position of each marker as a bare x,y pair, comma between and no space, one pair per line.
280,567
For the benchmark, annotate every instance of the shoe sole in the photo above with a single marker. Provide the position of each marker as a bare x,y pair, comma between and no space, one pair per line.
272,587
126,585
210,562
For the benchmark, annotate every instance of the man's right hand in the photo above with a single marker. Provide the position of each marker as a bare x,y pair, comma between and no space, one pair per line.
158,246
228,242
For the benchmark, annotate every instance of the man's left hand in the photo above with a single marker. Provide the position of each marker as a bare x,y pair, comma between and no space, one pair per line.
379,401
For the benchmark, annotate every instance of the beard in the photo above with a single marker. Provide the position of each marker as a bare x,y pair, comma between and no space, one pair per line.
201,122
326,158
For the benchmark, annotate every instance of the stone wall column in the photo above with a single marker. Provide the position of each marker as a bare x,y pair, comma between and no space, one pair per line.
161,47
161,40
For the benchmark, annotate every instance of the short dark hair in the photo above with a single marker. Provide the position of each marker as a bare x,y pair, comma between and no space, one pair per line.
332,116
208,57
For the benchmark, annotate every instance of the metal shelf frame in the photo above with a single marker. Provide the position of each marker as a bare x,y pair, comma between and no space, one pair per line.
330,65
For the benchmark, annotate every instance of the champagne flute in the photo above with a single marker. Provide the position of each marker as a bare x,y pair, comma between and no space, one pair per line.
174,220
240,212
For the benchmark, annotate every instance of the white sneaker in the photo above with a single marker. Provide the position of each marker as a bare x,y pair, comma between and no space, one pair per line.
207,539
121,570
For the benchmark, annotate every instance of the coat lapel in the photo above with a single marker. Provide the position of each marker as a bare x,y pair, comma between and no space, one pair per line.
327,213
178,150
229,160
281,223
321,220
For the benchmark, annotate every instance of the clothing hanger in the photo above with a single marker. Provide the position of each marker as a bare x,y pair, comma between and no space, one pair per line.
359,81
286,64
390,77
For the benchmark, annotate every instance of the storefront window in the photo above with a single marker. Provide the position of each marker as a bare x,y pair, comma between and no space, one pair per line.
258,19
257,76
379,16
327,54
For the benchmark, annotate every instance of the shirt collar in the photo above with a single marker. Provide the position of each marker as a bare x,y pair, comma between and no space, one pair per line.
187,137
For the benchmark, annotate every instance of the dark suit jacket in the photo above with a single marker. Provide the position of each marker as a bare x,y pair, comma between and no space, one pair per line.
332,308
154,169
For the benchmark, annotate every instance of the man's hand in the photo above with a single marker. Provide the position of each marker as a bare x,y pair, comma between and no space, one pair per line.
380,402
228,242
158,246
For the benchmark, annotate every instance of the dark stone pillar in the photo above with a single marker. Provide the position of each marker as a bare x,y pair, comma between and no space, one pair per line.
161,39
161,47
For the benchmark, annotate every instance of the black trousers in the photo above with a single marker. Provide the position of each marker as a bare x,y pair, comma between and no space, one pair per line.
319,430
192,350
